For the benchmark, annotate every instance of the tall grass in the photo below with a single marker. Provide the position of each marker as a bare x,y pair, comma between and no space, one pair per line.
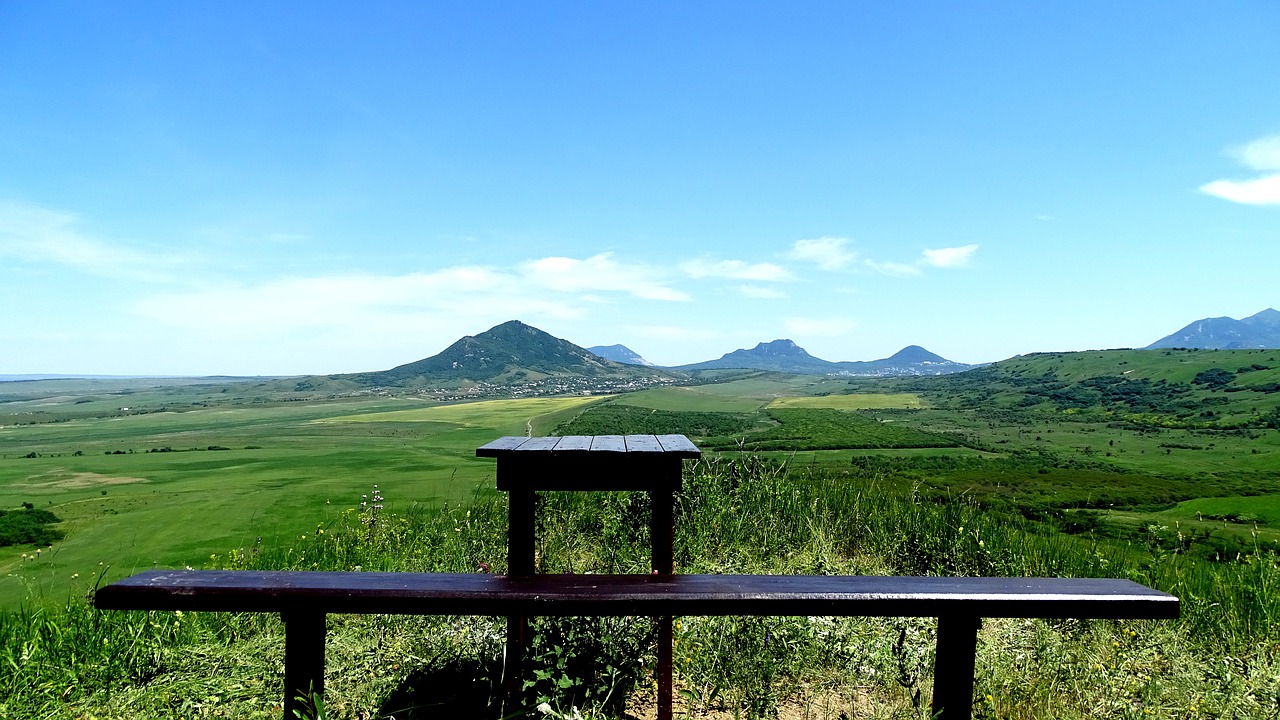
738,514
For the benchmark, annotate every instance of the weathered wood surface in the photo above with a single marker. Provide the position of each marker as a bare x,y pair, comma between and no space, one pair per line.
612,595
629,445
590,462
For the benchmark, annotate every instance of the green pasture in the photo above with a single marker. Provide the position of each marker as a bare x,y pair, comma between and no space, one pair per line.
284,470
238,465
1245,510
853,401
1169,365
699,398
1163,450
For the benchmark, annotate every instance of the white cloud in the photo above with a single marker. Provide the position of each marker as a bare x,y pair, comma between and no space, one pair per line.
40,235
828,253
819,327
599,272
735,270
758,291
1262,154
949,257
892,268
466,297
1262,191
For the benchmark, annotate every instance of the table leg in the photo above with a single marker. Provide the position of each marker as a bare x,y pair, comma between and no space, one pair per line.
520,524
953,667
304,633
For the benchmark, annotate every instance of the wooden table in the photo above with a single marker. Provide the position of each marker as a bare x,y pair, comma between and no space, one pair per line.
526,465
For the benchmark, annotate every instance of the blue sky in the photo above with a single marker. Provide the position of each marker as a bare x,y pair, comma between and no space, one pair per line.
290,188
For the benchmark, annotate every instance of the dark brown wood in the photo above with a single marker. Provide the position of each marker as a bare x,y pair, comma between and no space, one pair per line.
303,598
513,662
953,665
304,635
652,595
662,530
599,462
521,505
666,641
588,471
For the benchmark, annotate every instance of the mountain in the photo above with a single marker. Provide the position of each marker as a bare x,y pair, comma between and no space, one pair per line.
512,352
1223,333
786,356
910,360
779,355
619,354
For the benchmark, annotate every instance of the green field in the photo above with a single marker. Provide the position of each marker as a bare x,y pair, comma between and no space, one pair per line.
168,473
853,401
168,500
1123,463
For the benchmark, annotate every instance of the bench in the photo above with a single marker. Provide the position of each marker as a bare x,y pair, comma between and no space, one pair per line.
304,598
652,463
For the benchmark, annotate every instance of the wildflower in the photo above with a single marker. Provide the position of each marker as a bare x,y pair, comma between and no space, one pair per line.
75,575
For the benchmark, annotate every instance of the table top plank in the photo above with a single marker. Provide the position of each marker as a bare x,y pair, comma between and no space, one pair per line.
679,445
537,445
642,444
573,444
504,444
670,446
608,443
607,595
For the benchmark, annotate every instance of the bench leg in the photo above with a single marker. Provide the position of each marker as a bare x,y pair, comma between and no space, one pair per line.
953,667
513,663
303,661
665,708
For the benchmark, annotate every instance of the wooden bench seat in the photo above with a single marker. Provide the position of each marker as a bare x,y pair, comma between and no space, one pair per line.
304,598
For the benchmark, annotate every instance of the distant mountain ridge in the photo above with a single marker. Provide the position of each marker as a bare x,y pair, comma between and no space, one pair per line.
506,353
1261,330
785,356
619,354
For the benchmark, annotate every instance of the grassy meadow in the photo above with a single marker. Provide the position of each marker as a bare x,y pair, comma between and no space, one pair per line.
1147,465
140,490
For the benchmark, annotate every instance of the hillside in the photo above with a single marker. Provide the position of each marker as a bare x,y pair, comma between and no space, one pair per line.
785,356
619,353
512,352
1222,389
1261,330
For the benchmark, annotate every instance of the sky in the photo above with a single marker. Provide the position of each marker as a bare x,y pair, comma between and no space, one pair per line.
284,188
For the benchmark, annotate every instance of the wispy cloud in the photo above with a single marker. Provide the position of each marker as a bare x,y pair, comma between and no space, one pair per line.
834,253
599,272
735,270
828,253
1261,155
949,257
37,234
893,268
464,296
